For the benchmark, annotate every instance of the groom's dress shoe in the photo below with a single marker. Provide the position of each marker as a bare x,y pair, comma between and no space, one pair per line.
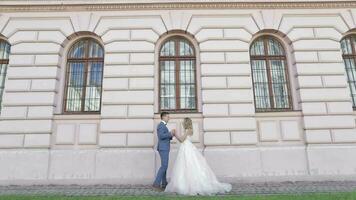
157,188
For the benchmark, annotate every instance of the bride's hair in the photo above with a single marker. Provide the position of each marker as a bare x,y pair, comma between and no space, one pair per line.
187,123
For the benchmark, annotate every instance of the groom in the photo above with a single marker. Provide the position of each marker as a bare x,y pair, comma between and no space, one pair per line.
163,147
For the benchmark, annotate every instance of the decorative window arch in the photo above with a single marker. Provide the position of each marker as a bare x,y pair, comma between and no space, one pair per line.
348,44
84,76
269,66
4,62
177,75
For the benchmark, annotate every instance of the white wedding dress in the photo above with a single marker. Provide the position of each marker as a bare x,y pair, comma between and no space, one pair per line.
191,174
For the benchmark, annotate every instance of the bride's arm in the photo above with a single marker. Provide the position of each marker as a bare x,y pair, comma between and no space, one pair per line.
181,138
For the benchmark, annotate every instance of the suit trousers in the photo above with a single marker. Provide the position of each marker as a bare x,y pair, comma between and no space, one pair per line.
161,177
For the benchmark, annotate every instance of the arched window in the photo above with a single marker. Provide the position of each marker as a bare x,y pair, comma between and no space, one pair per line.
349,55
177,71
84,77
270,75
4,61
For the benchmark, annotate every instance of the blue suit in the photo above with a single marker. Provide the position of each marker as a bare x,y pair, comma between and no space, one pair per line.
163,147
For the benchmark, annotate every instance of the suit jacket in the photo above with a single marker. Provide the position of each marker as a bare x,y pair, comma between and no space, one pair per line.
164,137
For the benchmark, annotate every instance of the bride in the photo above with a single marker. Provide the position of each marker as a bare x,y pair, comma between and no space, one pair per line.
191,174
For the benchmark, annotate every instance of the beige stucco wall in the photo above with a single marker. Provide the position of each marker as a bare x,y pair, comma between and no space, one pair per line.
38,142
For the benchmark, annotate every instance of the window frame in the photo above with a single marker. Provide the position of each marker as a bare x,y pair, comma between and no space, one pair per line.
4,62
86,60
177,59
350,56
266,57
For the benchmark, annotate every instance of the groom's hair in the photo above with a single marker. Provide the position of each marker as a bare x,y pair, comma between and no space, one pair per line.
164,114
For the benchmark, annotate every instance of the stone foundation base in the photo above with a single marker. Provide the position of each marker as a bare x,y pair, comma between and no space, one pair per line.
138,166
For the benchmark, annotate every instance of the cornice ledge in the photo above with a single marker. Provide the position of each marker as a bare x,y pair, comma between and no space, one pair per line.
65,5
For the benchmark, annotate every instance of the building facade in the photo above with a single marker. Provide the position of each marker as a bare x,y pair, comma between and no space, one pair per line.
270,87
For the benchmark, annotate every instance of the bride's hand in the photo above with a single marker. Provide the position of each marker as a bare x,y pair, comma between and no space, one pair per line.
173,132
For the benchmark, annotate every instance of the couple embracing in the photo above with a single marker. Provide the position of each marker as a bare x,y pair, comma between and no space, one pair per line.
191,174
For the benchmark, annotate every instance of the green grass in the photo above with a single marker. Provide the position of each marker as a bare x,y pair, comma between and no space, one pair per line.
324,196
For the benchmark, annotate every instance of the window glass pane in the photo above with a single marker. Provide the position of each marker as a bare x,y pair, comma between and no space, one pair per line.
3,68
75,86
4,50
92,98
257,48
73,102
275,48
95,71
1,92
93,88
168,85
353,39
78,50
260,80
95,50
168,98
187,96
346,46
167,72
4,56
168,49
76,74
279,84
187,71
185,49
351,76
187,84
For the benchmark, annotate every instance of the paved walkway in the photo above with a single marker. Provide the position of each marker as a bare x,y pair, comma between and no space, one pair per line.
146,190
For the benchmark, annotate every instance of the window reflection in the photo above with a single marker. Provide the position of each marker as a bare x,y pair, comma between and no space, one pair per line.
4,61
269,73
349,55
84,76
177,75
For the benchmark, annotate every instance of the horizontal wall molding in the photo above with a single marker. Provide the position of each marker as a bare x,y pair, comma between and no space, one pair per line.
60,6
